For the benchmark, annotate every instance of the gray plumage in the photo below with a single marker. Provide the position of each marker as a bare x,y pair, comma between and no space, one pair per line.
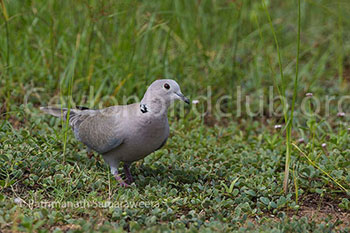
127,132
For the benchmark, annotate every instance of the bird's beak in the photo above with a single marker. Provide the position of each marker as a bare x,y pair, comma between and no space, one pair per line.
183,98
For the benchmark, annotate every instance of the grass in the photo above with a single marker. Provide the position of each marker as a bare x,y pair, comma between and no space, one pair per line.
4,11
288,117
282,92
215,173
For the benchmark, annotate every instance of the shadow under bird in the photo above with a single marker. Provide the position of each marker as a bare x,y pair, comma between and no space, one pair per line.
126,132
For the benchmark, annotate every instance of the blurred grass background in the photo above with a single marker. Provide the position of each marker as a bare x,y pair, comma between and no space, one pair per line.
109,44
92,49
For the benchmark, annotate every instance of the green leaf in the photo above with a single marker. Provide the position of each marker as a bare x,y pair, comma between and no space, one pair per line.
265,200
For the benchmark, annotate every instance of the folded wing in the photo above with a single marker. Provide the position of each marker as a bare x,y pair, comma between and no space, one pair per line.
98,129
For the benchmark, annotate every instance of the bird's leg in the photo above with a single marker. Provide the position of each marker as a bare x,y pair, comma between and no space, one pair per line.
120,180
90,154
128,173
114,164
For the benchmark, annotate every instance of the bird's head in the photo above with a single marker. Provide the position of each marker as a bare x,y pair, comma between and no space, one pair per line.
163,91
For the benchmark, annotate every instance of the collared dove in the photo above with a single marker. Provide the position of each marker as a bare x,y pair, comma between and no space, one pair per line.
126,132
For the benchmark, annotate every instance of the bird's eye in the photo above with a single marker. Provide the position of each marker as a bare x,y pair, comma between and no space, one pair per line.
167,86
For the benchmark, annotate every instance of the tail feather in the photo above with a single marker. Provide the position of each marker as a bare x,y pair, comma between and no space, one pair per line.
75,118
74,114
57,112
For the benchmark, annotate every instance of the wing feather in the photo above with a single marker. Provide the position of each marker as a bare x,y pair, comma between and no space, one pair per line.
99,130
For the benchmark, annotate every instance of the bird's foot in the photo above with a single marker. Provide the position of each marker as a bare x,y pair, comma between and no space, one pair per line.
90,154
120,180
128,173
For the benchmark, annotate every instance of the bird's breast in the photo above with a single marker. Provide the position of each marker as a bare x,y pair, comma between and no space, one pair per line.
144,139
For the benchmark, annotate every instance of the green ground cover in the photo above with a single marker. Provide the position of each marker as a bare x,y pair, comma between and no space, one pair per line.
223,167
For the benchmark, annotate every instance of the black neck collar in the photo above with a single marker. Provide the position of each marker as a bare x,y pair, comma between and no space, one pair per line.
143,108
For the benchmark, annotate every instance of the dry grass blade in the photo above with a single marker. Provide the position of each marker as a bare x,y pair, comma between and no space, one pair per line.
319,168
